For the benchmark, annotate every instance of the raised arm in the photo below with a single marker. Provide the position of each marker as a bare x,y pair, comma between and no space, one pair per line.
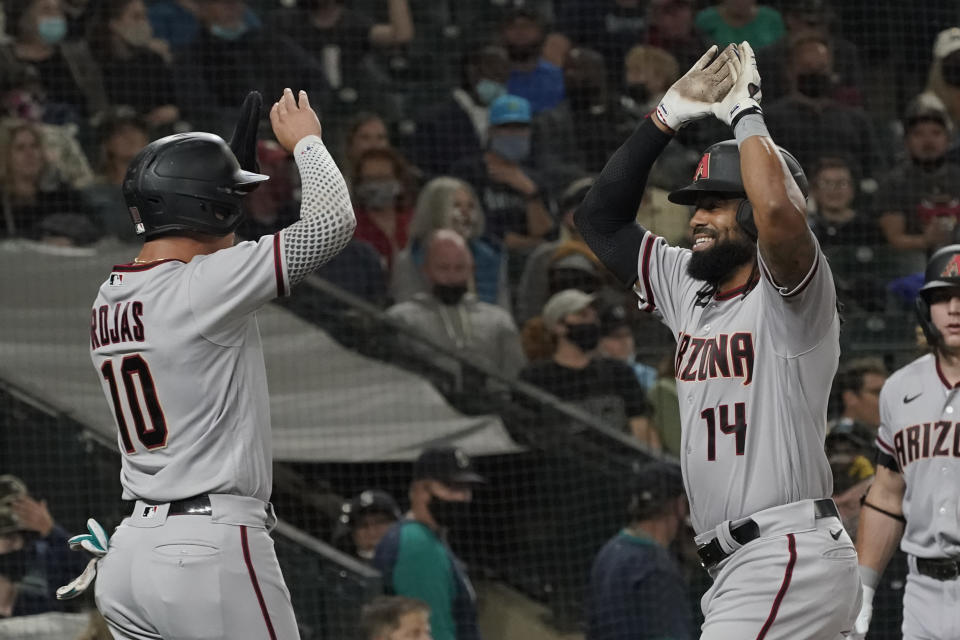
779,207
607,217
326,220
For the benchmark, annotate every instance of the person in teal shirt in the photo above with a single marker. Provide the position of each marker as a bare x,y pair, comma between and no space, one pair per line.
733,21
414,556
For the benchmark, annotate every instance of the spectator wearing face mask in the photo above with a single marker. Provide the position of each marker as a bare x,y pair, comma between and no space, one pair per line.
514,201
415,557
812,123
457,126
364,520
919,200
178,22
380,186
450,203
617,342
69,77
449,314
257,58
136,66
575,373
531,77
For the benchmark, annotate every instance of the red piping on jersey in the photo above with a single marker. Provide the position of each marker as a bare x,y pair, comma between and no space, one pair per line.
143,267
256,584
645,271
792,546
803,283
943,378
883,445
730,293
278,265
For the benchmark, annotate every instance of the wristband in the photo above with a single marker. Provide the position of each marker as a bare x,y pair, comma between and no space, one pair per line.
869,577
749,123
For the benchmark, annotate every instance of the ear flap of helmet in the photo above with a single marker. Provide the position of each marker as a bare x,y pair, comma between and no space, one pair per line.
922,308
745,218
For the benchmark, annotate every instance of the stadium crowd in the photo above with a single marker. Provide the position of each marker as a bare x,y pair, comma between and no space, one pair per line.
469,132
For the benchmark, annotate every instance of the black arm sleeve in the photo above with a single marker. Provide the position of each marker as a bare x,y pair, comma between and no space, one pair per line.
607,218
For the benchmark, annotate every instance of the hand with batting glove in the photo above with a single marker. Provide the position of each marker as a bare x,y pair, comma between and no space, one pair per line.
862,625
744,97
692,96
96,542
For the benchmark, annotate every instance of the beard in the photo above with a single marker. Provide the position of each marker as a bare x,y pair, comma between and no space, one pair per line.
720,260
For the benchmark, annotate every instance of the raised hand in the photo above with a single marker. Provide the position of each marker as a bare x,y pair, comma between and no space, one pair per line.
293,121
745,94
692,96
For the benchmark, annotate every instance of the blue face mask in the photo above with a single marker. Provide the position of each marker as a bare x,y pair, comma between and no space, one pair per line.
489,90
52,30
229,33
515,148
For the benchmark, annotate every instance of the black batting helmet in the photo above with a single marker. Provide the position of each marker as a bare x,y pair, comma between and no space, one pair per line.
187,182
718,173
943,271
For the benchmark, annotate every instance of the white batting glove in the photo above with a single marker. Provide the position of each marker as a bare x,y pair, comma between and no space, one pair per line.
745,94
692,96
96,542
862,624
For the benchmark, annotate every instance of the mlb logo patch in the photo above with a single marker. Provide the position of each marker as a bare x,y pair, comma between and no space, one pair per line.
149,512
116,279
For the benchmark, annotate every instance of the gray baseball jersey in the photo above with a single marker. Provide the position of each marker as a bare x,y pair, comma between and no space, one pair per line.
920,429
177,349
754,368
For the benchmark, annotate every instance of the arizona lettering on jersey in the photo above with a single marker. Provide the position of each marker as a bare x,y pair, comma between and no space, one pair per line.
754,368
920,430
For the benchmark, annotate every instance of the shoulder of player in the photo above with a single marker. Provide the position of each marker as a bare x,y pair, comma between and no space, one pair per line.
909,375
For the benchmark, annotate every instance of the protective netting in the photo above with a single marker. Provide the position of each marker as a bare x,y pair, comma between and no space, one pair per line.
468,132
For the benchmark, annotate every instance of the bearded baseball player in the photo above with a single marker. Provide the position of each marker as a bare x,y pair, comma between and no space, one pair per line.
915,498
754,311
175,342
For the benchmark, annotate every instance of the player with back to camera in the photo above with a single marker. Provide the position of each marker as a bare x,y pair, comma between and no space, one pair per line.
175,342
915,498
753,308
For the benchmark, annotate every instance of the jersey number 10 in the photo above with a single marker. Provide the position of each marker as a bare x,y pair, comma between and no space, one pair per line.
738,427
156,436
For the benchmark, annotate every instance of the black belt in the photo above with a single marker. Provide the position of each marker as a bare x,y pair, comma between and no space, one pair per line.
711,553
939,568
195,506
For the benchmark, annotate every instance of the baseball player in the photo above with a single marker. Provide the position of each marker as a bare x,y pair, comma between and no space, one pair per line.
915,498
175,343
753,308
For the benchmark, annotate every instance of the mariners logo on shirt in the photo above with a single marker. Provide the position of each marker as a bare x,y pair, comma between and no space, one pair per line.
116,279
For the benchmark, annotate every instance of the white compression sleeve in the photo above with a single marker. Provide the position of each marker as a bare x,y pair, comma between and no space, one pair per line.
326,214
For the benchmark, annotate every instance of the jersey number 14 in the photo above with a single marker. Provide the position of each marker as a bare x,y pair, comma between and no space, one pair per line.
738,427
134,368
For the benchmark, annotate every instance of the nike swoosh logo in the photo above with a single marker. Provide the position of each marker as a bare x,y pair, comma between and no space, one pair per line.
836,534
909,399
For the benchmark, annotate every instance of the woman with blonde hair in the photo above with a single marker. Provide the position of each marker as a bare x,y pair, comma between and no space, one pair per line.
450,203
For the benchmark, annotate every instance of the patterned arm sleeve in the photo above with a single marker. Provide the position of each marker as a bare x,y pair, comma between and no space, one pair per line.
326,214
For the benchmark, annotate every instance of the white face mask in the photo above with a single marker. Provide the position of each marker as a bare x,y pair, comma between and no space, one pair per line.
366,554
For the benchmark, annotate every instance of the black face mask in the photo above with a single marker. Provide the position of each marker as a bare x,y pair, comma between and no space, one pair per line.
448,513
719,261
815,85
585,336
523,52
639,92
13,565
449,294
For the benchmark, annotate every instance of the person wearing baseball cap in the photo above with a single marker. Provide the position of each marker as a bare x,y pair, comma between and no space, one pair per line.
636,588
576,373
414,557
364,520
516,209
